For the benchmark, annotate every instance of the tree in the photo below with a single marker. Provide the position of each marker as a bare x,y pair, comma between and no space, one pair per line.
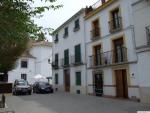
17,28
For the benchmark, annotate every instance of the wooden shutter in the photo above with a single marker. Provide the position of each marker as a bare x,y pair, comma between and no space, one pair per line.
66,57
77,54
56,78
56,59
78,78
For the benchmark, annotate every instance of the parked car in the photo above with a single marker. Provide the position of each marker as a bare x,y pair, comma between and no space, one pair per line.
42,87
21,87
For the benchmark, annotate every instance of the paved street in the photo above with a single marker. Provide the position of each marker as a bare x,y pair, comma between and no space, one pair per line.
71,103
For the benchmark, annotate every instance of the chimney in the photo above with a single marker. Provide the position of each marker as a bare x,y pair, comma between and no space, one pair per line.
103,1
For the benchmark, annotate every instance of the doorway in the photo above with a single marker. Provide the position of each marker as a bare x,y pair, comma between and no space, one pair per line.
98,84
121,83
67,80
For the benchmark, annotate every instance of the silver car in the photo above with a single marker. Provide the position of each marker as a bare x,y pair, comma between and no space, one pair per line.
21,87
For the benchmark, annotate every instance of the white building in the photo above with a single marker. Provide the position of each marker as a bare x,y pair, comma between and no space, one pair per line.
110,52
36,60
69,68
141,21
115,46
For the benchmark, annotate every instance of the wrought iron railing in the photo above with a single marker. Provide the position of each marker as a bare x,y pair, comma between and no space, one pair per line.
148,34
115,24
76,60
95,33
108,58
55,64
65,62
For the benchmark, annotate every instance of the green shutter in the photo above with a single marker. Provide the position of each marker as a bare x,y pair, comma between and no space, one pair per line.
78,78
66,57
56,78
56,59
77,54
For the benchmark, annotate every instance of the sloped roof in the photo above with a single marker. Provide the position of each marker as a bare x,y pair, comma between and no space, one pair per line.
27,55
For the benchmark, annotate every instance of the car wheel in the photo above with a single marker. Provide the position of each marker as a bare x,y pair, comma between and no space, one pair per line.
29,93
13,93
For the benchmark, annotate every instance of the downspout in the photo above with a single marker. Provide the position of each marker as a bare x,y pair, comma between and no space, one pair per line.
85,58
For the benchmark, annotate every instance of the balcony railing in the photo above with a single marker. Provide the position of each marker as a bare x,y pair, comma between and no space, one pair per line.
76,28
148,34
95,34
56,39
65,62
76,60
55,65
109,58
115,24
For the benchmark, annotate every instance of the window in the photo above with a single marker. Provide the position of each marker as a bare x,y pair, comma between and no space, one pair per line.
24,64
148,34
77,54
115,22
76,25
56,38
24,76
56,78
56,59
78,78
66,32
66,57
95,32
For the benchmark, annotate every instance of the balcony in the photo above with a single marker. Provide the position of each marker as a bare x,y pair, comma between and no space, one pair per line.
65,62
148,34
115,25
77,28
108,58
76,61
56,40
55,65
95,34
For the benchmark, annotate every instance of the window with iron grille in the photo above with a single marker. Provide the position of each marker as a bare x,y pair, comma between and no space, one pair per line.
76,25
148,34
24,76
66,32
56,38
24,64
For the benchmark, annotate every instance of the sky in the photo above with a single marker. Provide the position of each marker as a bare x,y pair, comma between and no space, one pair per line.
54,19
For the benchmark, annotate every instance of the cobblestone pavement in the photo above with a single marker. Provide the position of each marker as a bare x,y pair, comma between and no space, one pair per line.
71,103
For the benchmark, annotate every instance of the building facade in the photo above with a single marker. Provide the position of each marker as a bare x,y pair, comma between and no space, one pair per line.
69,68
112,60
36,60
114,37
141,22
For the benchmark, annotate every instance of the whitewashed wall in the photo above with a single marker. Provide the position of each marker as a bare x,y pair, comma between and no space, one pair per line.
37,65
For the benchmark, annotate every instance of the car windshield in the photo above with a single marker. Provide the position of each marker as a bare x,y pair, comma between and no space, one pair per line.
22,83
43,84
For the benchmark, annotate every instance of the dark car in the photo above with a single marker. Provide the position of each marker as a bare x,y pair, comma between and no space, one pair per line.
42,87
21,87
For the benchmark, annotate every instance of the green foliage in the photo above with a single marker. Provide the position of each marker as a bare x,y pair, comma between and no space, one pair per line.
17,28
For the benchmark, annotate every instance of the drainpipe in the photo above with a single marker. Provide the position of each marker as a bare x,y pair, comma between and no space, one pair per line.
85,58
